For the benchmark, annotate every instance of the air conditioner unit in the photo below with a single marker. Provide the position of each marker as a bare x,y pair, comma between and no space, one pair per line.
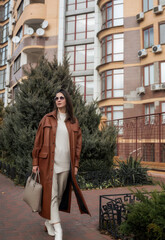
140,16
9,59
158,9
156,87
142,53
163,85
140,90
13,21
11,8
10,33
162,2
157,48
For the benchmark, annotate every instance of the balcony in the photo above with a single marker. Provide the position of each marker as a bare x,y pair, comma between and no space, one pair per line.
32,23
38,11
31,56
32,14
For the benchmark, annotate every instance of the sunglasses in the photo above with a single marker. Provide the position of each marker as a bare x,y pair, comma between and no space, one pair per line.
57,98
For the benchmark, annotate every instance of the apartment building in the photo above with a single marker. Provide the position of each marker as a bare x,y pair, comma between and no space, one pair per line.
132,65
4,26
116,49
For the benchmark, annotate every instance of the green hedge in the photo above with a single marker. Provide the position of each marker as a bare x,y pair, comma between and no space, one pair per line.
146,219
93,173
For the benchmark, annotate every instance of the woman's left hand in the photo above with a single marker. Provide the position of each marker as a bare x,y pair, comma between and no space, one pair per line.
75,170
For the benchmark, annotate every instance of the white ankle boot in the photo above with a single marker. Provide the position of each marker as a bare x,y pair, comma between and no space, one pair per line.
58,231
49,228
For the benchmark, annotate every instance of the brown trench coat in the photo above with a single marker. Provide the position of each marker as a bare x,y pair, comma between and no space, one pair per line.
43,156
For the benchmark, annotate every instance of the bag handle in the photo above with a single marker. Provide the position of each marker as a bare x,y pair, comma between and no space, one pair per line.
36,175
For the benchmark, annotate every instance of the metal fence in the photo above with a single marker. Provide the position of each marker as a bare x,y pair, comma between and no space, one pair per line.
142,137
112,212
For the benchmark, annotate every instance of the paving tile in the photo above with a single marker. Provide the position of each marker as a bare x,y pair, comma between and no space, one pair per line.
17,222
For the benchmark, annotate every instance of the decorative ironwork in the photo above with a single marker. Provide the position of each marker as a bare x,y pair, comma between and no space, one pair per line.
113,212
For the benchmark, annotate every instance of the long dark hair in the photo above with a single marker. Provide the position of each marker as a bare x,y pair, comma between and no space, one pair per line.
69,105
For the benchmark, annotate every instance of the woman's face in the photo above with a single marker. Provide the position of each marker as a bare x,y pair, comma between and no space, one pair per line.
60,101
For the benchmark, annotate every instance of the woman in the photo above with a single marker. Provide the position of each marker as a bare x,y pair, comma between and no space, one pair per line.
56,154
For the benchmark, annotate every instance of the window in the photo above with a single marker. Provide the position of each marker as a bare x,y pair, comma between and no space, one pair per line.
148,75
3,56
2,79
6,10
15,91
147,5
163,110
85,86
112,112
149,109
79,4
19,33
148,37
4,33
80,27
2,97
112,48
112,14
162,33
162,72
17,63
112,83
81,57
115,114
163,107
20,9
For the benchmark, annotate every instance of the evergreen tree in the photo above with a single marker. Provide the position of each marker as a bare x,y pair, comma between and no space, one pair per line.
33,101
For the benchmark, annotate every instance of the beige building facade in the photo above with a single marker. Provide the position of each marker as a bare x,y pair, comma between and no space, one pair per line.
116,49
4,29
133,59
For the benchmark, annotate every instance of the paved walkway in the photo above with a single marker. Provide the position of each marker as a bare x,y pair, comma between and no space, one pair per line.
17,222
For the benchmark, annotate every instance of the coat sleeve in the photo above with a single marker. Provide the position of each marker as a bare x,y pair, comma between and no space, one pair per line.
78,147
38,143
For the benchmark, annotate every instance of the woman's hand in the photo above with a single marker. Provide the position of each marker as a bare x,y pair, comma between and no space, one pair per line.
35,168
75,170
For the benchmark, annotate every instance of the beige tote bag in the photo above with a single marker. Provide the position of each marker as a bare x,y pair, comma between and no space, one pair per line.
32,194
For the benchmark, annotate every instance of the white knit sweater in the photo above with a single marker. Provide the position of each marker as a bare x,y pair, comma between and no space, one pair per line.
62,147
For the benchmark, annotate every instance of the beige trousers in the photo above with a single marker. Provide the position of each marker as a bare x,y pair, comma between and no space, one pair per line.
58,188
